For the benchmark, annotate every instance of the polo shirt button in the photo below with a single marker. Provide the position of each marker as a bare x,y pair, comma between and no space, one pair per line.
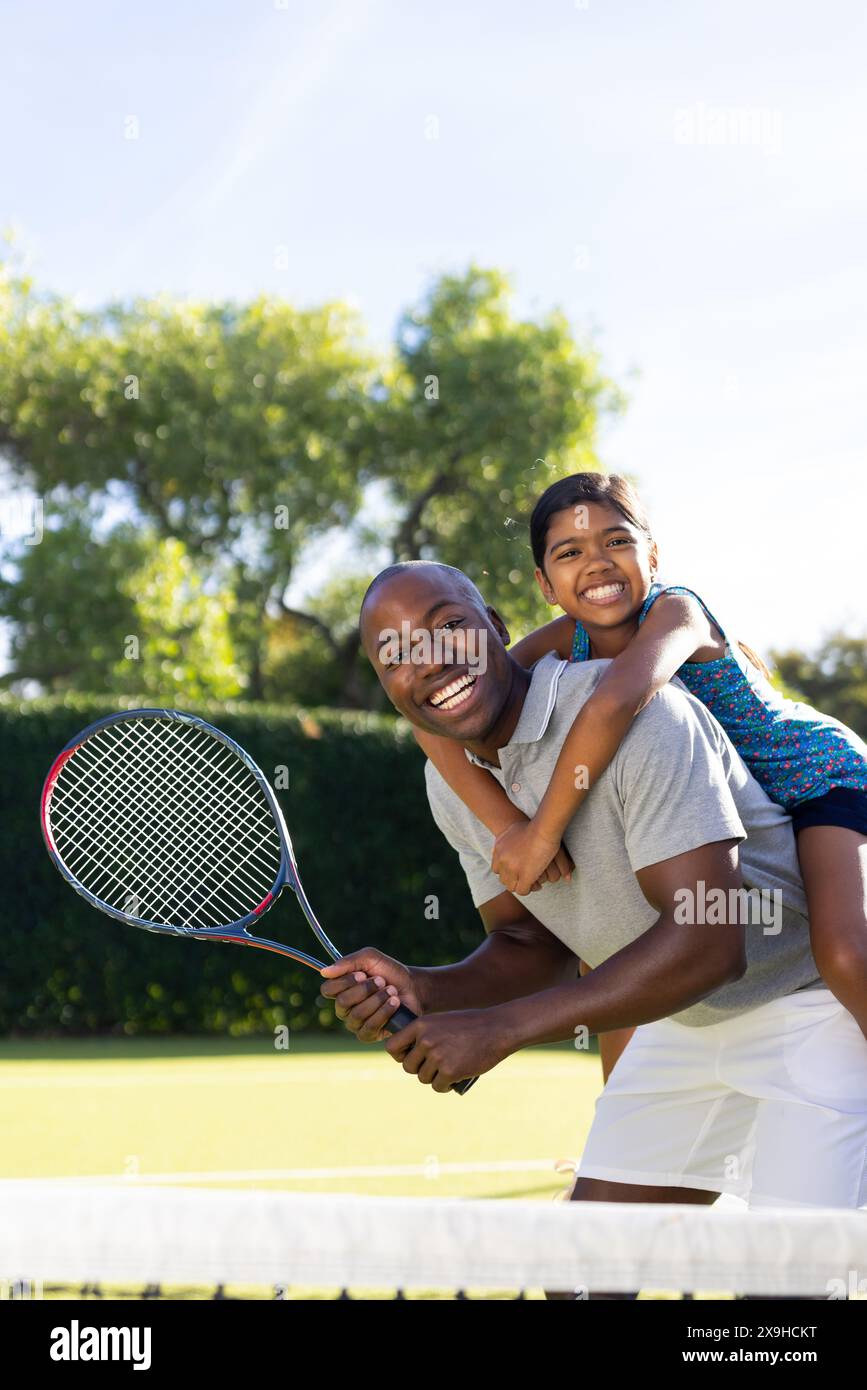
516,786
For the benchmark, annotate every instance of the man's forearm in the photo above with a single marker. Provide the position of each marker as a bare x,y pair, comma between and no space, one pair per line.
653,977
508,964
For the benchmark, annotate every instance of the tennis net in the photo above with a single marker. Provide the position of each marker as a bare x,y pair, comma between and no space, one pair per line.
66,1241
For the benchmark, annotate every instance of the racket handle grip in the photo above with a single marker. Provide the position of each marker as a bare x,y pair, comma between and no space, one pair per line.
403,1016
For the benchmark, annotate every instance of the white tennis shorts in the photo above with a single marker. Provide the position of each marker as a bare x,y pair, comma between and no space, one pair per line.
770,1106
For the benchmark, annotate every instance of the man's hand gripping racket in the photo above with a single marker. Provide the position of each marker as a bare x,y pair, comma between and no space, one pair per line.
161,821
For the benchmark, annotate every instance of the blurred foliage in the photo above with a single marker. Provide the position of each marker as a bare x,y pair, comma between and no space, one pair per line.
832,679
303,655
67,601
352,778
244,434
187,649
229,428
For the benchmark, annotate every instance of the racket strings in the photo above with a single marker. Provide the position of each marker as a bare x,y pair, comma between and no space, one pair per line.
172,849
82,824
175,846
162,815
116,775
98,809
172,859
253,832
190,868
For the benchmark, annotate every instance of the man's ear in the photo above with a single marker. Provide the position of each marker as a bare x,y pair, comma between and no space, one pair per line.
497,622
547,592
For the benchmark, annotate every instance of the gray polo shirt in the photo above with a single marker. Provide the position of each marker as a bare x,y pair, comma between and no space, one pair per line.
675,783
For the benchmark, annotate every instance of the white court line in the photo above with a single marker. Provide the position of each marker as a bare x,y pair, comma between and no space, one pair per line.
297,1076
235,1077
432,1169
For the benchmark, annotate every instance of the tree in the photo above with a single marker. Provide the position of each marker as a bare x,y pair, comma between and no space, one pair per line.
66,603
228,428
116,610
244,433
314,659
479,412
179,643
833,678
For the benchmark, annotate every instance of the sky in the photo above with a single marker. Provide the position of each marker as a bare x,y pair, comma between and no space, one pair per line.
684,180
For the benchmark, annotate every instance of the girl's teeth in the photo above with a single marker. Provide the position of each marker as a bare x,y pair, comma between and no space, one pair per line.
605,591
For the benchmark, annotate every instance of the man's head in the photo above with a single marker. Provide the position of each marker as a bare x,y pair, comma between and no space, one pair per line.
425,627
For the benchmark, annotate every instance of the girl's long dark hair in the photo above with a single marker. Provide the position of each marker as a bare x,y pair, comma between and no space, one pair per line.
612,490
567,493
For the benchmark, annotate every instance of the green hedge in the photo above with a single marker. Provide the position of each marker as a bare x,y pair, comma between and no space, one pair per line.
368,851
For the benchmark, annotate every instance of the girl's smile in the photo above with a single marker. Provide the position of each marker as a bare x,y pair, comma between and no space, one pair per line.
603,595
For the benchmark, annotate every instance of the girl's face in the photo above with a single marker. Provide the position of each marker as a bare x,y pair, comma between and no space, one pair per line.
598,566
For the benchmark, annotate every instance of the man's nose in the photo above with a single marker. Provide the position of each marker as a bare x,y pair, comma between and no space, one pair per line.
438,663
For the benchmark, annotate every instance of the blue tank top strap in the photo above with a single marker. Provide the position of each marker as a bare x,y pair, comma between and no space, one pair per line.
657,588
580,644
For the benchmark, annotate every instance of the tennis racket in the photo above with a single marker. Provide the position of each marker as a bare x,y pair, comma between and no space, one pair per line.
164,822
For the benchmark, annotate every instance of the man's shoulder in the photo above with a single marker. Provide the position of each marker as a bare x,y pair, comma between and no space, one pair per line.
672,707
580,678
673,725
433,780
445,804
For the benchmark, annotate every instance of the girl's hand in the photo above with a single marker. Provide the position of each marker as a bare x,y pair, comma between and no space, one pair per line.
525,859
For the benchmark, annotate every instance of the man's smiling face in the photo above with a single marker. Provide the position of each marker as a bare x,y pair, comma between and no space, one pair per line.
461,696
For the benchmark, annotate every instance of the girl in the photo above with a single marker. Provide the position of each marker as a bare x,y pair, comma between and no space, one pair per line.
595,556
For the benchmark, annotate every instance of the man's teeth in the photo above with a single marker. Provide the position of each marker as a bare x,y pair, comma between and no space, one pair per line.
455,694
604,591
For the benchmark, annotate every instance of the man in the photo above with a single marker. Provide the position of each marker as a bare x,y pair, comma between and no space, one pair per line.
745,1074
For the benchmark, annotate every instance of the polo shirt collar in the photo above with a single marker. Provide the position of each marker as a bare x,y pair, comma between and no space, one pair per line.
539,705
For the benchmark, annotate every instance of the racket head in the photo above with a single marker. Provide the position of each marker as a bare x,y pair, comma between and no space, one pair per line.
136,788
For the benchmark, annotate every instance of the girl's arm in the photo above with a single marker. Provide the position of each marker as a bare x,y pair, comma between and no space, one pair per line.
477,789
555,636
485,797
673,631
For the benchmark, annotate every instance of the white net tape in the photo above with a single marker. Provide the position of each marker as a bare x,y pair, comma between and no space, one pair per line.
51,1231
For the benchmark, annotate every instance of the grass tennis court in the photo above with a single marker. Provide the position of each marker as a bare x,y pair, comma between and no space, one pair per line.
327,1114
